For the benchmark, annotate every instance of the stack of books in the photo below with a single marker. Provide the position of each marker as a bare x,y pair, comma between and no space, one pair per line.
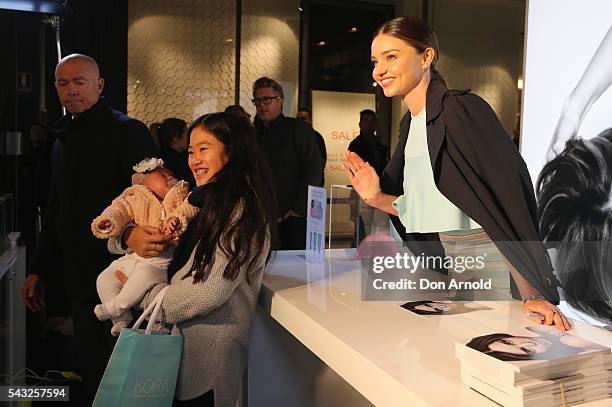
536,366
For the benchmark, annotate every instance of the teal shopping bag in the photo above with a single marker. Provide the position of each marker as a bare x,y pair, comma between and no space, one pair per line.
143,367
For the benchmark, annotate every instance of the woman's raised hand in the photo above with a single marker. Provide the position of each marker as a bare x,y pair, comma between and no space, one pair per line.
362,176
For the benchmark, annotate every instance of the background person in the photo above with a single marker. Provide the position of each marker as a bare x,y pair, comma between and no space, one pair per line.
367,145
238,111
36,174
172,133
90,127
458,170
154,132
304,114
217,268
294,158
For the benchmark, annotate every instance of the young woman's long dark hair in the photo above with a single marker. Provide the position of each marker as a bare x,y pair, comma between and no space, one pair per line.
575,213
238,205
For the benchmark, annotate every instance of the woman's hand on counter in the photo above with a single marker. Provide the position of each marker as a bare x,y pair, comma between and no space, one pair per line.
543,312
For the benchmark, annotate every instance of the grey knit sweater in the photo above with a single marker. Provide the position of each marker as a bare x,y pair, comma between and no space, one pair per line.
214,316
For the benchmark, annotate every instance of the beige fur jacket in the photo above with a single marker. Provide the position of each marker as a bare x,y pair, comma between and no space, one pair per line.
137,204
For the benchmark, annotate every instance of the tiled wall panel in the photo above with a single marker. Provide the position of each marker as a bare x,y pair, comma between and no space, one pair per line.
270,47
181,55
181,58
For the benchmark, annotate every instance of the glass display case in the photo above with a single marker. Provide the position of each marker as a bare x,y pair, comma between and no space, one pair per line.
351,220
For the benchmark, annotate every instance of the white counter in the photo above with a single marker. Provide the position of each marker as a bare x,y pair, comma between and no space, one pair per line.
390,356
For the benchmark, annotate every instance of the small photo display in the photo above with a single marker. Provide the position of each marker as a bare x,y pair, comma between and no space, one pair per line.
431,308
316,209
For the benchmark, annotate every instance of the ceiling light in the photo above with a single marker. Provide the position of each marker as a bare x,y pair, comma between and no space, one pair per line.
374,84
321,44
229,40
353,30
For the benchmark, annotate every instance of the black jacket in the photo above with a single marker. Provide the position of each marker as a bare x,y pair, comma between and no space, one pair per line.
294,158
321,143
92,163
478,168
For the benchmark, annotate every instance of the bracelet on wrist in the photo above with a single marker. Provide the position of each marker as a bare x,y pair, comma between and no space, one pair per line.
533,297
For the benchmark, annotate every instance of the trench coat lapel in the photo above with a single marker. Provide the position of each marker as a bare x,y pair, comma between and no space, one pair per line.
436,134
436,131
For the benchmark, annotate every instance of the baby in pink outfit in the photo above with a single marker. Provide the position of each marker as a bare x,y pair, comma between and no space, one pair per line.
156,198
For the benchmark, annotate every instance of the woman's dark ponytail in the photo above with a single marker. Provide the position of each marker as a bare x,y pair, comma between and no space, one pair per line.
437,75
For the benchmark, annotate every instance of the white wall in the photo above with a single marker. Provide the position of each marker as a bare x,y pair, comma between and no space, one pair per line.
481,48
562,36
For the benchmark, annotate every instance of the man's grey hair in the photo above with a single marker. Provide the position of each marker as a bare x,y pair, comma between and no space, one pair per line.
265,82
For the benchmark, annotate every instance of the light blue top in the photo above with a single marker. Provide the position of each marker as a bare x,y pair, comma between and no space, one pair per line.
422,208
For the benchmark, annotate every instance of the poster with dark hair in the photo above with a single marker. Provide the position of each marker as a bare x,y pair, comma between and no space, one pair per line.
536,366
435,308
540,343
566,138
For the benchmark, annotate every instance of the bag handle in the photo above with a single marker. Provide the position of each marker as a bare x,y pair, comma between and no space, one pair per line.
153,310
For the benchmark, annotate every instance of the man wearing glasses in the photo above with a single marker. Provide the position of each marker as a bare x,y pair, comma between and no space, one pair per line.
294,157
